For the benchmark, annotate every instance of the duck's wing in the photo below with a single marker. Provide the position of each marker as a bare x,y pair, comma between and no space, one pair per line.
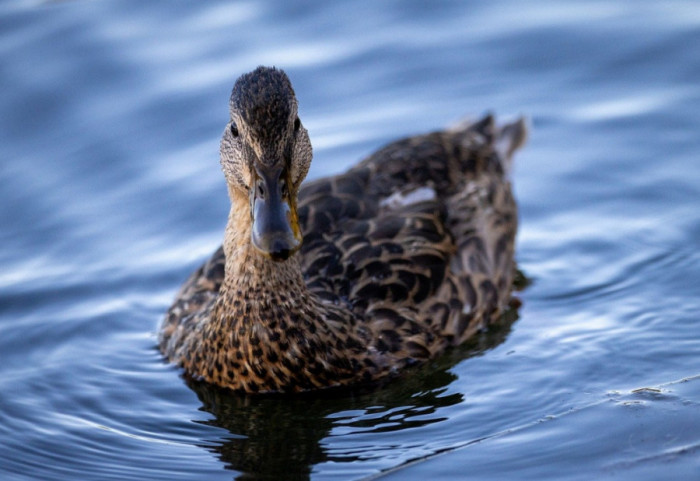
380,268
417,240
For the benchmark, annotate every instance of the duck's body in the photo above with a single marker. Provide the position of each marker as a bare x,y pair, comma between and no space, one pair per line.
406,254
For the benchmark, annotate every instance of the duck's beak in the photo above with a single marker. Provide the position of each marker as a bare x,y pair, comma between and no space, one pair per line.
275,230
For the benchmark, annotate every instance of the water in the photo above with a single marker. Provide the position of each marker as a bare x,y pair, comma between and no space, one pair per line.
111,194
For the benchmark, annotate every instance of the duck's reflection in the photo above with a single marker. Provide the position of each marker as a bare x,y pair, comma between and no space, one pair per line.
280,437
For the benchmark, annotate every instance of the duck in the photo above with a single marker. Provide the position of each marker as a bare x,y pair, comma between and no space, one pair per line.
347,280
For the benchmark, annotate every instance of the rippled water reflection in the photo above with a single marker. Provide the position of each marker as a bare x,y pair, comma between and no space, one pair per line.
111,194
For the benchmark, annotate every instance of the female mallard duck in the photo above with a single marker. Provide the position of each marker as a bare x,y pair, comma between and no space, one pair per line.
346,279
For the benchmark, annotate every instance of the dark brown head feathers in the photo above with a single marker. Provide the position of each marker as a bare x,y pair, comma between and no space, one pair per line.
265,100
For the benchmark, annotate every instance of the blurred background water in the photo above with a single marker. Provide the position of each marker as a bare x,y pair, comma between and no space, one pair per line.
111,194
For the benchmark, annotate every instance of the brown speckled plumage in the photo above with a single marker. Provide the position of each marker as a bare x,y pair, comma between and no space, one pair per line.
404,255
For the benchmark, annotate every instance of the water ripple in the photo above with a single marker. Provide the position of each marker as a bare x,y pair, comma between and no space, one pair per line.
112,194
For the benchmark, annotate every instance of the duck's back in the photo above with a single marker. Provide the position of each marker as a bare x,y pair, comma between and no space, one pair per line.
417,240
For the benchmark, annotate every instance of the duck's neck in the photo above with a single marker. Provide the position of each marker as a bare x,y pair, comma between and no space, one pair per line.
260,284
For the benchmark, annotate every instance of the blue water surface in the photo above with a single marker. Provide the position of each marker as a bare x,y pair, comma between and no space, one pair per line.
111,194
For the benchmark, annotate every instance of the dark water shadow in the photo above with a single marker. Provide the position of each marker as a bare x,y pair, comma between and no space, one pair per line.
279,437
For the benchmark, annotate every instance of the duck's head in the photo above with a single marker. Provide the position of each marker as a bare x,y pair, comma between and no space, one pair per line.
265,155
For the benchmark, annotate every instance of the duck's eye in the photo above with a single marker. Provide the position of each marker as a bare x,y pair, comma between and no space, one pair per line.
297,124
234,130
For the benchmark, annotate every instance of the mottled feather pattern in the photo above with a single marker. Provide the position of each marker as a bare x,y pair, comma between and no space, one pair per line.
397,282
425,275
